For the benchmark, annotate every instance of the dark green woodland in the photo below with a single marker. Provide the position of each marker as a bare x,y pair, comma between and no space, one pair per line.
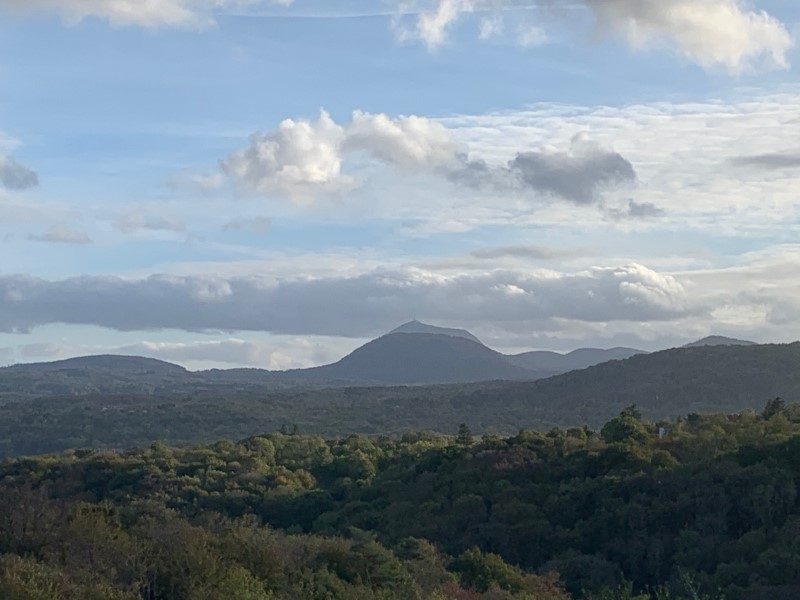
705,506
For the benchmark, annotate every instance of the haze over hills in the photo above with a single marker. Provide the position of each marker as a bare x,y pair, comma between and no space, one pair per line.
577,359
414,353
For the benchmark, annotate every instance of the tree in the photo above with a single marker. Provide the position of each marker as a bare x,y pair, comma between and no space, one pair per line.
464,436
774,407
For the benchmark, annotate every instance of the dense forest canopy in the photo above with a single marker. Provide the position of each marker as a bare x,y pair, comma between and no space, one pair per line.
705,506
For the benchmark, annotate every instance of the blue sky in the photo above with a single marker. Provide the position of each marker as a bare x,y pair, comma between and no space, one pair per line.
584,174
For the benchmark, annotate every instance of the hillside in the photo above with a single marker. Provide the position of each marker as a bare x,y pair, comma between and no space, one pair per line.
413,358
719,340
543,360
662,384
419,327
581,514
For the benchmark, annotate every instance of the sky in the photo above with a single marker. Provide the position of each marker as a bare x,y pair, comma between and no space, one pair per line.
271,183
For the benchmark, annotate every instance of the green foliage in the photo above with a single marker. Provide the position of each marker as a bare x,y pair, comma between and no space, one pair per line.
701,508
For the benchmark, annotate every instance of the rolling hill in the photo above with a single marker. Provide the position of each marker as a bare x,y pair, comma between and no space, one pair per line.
543,360
719,340
663,384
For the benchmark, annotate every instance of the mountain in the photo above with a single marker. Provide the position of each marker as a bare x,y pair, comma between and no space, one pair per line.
719,340
414,353
132,365
92,374
681,381
414,358
555,362
418,327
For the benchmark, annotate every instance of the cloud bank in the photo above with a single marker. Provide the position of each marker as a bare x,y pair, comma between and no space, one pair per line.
340,306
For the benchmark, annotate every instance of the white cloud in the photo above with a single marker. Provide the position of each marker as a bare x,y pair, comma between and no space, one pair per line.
15,176
300,158
141,13
531,36
708,32
303,159
61,234
408,142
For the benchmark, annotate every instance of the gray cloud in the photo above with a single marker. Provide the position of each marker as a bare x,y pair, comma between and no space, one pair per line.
776,160
578,175
636,210
343,306
62,235
15,176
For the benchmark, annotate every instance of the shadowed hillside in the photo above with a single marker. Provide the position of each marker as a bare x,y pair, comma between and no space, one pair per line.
662,384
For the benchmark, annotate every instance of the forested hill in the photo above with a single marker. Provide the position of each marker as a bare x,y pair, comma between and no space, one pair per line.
703,508
663,384
670,382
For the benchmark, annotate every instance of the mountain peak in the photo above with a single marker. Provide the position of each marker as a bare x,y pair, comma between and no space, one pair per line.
719,340
420,327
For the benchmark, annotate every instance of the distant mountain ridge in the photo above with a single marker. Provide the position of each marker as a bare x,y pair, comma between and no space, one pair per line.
577,359
414,353
719,340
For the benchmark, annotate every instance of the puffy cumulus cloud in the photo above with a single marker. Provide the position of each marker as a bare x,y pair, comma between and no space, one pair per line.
709,32
408,142
15,176
300,158
342,306
139,13
62,235
578,175
303,158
